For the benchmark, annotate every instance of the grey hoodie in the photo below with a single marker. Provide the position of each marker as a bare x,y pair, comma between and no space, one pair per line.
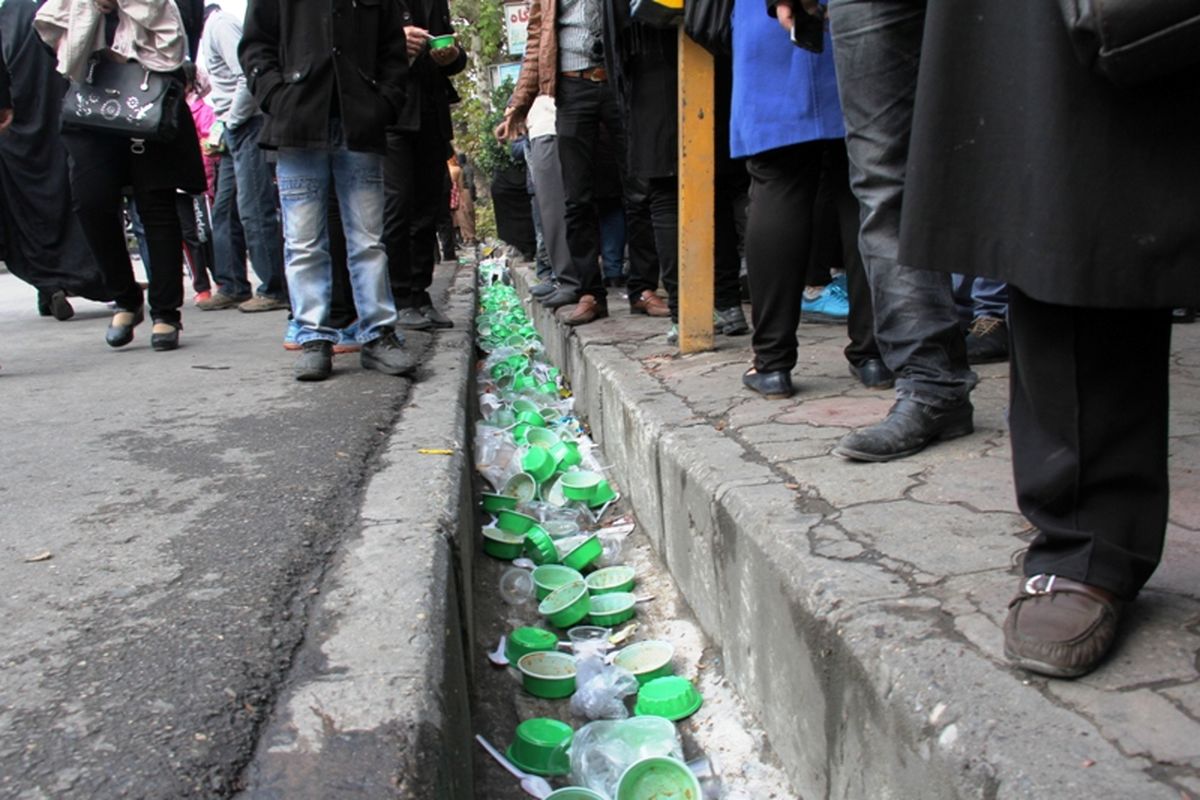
231,98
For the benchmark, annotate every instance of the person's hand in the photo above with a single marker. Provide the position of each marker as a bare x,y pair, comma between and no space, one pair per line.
444,56
785,11
511,128
6,118
106,6
415,39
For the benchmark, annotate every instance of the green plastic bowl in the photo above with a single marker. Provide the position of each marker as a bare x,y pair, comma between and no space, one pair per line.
574,793
551,492
531,418
523,382
523,641
610,610
540,546
502,544
514,521
672,698
520,433
604,493
551,415
538,462
647,660
549,577
549,674
522,405
658,778
567,454
567,605
521,486
540,747
495,503
585,554
580,485
543,437
611,579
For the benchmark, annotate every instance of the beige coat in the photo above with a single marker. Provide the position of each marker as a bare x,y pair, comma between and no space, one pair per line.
149,32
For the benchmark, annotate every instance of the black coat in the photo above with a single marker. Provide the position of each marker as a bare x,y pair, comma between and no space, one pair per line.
430,92
1024,166
302,56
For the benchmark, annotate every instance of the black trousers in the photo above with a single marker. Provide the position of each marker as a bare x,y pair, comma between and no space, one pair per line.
413,175
583,106
1089,399
779,236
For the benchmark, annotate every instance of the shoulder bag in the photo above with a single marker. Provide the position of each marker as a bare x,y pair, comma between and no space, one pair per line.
126,100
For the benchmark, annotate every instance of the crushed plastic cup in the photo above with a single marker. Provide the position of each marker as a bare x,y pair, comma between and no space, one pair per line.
516,586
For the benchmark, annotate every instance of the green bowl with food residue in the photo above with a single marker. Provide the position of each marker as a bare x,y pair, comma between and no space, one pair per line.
495,503
647,660
540,546
610,610
672,698
566,605
584,554
543,437
549,674
575,793
549,577
503,545
514,521
521,486
612,579
580,485
540,747
523,641
658,778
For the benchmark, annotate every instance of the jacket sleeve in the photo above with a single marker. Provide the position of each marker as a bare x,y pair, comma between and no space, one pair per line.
224,44
527,82
5,84
393,55
258,51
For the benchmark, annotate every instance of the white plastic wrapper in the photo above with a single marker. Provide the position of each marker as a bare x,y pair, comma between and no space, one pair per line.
602,751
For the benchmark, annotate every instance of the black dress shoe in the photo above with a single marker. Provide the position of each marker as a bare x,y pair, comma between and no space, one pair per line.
543,289
165,340
435,317
908,428
771,385
873,374
121,335
559,298
60,307
1183,316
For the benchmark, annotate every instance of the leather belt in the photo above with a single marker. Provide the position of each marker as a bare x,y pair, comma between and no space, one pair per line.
595,74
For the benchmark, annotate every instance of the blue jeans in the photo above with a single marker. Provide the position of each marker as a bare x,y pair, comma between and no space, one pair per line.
979,297
256,208
304,182
877,47
612,239
229,240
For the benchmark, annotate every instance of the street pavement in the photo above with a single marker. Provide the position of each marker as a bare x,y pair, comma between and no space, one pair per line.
859,606
167,518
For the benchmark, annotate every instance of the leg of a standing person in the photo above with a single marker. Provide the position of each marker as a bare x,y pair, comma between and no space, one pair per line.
730,194
577,125
1089,455
877,47
541,259
400,194
861,323
342,313
664,214
428,167
359,180
612,240
778,237
644,269
164,240
229,244
989,298
96,196
304,184
257,210
547,176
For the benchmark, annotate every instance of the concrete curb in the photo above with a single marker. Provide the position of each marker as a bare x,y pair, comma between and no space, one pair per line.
862,686
378,702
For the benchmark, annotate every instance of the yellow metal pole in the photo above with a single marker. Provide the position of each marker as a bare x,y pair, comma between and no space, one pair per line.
696,180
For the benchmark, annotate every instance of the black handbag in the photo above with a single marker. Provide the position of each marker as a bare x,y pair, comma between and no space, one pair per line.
1134,41
126,100
710,24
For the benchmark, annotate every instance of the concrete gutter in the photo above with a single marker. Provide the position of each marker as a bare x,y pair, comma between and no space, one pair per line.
378,704
855,663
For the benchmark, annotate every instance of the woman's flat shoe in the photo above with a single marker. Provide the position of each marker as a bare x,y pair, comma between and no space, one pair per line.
165,336
771,385
120,330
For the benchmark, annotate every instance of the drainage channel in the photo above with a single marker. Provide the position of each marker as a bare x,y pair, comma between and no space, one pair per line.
615,746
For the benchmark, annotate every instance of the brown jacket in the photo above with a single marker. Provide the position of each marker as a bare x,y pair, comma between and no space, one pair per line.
539,67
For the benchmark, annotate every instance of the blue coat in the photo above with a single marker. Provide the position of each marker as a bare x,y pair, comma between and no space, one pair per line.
782,94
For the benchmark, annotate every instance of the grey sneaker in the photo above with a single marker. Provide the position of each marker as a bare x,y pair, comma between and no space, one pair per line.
220,300
315,362
731,321
260,302
388,356
411,319
435,317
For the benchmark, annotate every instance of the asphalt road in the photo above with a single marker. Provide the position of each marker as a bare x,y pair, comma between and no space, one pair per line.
165,519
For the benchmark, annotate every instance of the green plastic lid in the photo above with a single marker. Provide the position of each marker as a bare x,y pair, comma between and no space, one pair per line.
672,698
534,639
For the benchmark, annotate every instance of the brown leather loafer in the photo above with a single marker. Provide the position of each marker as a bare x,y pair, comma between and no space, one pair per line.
588,309
649,303
1059,627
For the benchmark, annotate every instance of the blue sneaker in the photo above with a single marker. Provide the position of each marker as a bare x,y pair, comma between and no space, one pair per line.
830,306
348,339
289,338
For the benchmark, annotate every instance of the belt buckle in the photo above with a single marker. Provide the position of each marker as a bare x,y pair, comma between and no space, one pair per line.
596,75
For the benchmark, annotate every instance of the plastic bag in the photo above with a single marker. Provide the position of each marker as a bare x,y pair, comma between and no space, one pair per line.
600,688
602,751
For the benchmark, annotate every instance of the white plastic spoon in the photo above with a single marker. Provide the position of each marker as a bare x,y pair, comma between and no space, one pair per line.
531,784
497,656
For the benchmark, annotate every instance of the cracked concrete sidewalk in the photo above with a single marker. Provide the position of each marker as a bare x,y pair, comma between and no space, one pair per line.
860,605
